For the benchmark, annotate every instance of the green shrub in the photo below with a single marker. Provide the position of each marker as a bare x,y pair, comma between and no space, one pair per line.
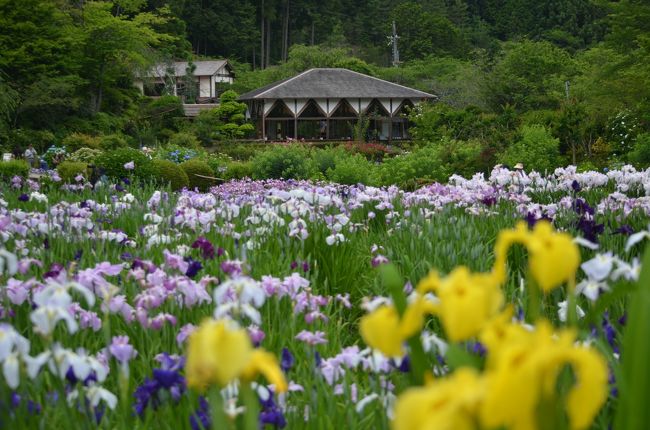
184,140
112,141
217,162
408,170
238,170
198,167
9,169
75,141
112,162
325,159
243,151
640,154
537,150
288,162
68,170
350,170
168,172
177,154
85,155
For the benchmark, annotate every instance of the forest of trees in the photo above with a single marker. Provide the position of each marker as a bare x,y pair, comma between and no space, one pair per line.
67,66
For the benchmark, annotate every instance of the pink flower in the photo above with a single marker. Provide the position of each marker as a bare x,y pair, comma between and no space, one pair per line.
122,350
256,334
184,333
310,338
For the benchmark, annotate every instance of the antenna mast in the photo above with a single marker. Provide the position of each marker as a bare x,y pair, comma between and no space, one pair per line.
393,40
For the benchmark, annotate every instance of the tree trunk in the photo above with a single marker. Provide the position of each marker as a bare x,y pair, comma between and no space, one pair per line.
312,33
285,33
100,88
262,36
267,62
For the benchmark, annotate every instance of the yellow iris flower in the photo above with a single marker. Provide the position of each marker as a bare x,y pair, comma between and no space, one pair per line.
446,404
553,257
467,300
218,353
383,329
522,369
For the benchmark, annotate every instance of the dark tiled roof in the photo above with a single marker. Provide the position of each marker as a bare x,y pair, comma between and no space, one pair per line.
333,83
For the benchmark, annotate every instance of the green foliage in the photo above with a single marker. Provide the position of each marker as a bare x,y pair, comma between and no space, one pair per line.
21,138
176,153
325,159
529,75
85,155
185,140
112,141
537,149
239,170
350,170
640,155
168,172
198,167
426,33
9,169
225,122
68,170
421,165
76,141
288,162
113,163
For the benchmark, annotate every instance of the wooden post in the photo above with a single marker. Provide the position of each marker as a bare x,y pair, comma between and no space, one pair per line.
327,115
263,121
295,119
390,123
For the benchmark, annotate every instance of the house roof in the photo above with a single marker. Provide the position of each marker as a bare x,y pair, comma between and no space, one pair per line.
333,83
203,68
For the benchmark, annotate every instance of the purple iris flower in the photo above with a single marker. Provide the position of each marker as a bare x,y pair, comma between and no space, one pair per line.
590,229
166,379
32,407
405,365
581,207
193,267
207,249
294,265
489,200
625,229
287,360
77,255
575,185
72,378
305,266
23,197
55,270
271,414
200,420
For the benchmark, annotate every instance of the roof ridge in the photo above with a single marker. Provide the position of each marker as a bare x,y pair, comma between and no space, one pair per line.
282,83
389,82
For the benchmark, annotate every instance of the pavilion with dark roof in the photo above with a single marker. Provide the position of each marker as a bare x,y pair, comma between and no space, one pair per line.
328,103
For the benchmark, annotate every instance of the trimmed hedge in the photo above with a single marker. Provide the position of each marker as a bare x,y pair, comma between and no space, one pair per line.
198,167
9,169
171,173
68,170
112,162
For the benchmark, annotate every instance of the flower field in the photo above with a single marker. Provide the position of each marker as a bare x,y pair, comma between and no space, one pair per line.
502,302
